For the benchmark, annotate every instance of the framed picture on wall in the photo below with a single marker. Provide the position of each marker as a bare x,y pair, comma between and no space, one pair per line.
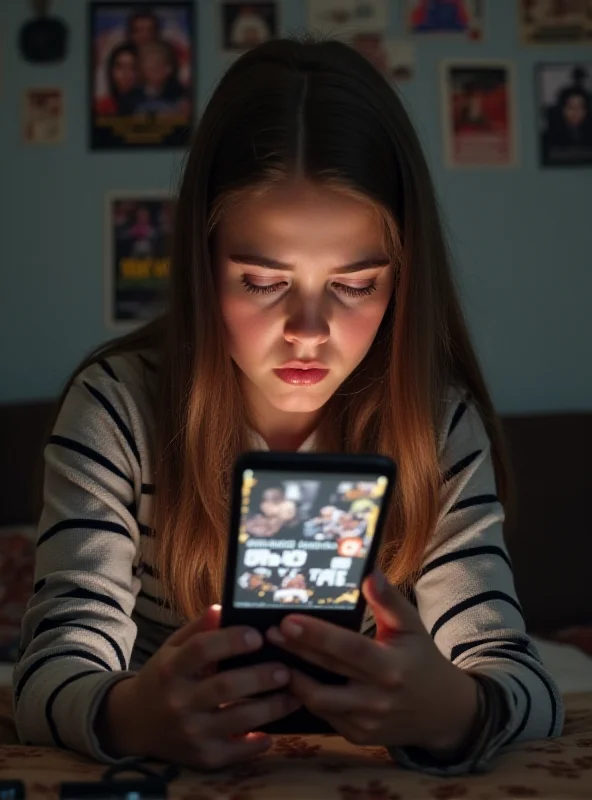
44,116
561,22
445,17
342,19
245,25
564,96
479,114
141,70
138,229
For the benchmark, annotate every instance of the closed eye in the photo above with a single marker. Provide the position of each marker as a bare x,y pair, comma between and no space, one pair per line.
342,288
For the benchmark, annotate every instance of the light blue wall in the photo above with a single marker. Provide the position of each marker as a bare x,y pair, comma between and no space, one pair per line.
522,237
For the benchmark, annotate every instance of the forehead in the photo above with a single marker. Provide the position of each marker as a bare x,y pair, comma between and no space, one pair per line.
304,215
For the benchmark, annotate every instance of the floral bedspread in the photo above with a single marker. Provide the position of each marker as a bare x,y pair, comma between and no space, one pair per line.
328,768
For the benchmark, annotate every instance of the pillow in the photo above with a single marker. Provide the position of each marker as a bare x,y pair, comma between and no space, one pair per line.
17,570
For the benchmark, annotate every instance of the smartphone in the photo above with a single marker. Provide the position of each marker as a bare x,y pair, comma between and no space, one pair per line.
305,529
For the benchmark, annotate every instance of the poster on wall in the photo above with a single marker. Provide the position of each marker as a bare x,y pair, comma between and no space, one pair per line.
138,230
342,19
447,17
245,25
479,114
44,120
393,58
141,75
565,114
555,21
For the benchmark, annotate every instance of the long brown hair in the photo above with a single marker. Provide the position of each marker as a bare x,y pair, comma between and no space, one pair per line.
317,110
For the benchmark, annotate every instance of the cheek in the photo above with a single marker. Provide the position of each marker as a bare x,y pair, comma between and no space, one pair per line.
245,324
354,332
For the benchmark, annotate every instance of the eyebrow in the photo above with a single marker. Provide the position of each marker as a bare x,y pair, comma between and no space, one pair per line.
271,263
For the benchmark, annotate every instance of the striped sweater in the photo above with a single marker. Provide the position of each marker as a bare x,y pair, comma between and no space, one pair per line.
97,612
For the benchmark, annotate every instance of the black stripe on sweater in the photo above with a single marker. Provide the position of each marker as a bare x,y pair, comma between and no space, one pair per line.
145,530
86,594
157,601
495,653
116,417
148,488
458,415
52,698
526,715
476,500
85,524
460,465
51,624
32,668
171,628
469,552
83,450
39,585
471,602
514,644
106,367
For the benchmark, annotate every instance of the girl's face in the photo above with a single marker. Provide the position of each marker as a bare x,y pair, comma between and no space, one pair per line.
303,276
125,73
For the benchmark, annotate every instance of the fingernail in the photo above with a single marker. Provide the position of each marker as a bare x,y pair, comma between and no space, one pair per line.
275,635
252,639
280,675
291,628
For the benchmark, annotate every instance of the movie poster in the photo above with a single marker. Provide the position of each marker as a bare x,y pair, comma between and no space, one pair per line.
565,114
342,19
142,81
393,58
555,21
44,120
479,114
137,257
305,541
245,25
456,17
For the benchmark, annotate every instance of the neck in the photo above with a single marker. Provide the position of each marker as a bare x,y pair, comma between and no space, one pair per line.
281,430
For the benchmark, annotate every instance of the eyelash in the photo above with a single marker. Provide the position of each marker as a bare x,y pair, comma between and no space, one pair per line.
350,291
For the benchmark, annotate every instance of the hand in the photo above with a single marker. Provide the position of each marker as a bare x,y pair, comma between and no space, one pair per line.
401,691
182,711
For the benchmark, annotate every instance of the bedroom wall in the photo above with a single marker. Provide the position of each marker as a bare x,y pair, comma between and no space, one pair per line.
521,237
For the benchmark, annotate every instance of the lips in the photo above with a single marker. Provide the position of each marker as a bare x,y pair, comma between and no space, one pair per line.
302,373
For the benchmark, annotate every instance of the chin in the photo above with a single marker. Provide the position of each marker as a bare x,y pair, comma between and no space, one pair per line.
300,401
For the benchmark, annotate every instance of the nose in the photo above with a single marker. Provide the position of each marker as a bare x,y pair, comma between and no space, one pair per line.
307,323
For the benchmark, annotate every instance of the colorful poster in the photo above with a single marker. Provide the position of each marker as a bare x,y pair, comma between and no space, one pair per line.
565,114
479,114
555,21
394,58
305,541
460,17
142,77
245,25
342,19
137,258
44,119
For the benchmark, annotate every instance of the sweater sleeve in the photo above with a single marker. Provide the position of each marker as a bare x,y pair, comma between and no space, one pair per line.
466,597
77,633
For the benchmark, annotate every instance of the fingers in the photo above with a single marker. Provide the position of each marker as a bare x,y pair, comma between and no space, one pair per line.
209,620
248,716
207,648
392,611
238,684
215,754
335,648
358,699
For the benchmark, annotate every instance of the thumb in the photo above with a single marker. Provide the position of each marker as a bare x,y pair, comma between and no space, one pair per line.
208,621
393,613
